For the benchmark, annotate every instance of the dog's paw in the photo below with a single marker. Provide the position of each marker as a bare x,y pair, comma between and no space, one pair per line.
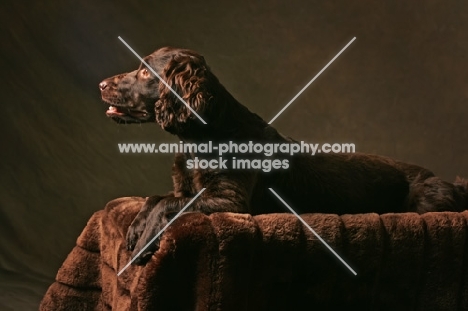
144,250
133,234
148,243
138,225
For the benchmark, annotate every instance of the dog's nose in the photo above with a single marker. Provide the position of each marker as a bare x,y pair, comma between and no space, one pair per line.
102,85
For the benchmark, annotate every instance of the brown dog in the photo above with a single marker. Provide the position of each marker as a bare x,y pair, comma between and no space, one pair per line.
324,183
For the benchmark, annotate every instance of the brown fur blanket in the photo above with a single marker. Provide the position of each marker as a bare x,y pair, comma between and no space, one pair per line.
228,261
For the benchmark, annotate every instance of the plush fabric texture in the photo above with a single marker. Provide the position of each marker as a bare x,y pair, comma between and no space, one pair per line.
229,261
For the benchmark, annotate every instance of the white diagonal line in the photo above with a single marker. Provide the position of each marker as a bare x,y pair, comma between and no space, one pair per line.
160,232
313,231
316,76
161,79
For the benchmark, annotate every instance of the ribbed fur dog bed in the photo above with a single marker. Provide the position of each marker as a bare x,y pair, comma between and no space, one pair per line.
229,261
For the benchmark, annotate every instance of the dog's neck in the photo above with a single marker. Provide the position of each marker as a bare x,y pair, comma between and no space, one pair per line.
227,119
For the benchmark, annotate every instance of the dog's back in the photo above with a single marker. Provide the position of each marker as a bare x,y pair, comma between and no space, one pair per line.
334,183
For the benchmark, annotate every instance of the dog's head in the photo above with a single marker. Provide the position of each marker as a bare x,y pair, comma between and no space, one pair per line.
139,96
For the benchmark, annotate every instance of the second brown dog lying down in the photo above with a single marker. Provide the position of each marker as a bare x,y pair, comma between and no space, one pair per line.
324,183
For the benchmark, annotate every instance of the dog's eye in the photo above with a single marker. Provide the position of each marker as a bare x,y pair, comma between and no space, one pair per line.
145,73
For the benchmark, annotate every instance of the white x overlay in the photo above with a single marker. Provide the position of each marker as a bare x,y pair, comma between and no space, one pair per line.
274,118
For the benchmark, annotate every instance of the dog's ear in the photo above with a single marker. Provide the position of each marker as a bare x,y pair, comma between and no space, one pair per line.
188,75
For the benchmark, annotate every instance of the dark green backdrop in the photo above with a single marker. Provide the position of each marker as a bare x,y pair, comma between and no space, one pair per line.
399,90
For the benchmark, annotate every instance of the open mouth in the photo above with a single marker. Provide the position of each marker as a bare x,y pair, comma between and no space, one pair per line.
115,111
128,115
